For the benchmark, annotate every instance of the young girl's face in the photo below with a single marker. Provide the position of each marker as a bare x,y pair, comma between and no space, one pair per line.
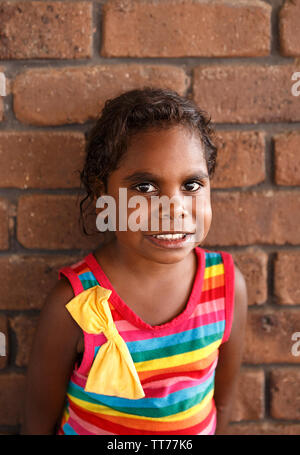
167,163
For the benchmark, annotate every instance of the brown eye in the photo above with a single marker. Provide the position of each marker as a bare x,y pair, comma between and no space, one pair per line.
142,187
193,186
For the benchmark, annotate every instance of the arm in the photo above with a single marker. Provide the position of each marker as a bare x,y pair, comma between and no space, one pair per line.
52,358
230,357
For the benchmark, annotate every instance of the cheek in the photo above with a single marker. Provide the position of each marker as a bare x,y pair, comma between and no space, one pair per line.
203,215
137,213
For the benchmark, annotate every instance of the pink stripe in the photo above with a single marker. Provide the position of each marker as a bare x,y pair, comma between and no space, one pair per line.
211,427
208,307
197,322
78,379
123,326
160,388
203,308
175,387
174,380
84,427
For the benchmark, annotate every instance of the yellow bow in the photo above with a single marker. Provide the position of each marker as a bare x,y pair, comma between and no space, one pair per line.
113,371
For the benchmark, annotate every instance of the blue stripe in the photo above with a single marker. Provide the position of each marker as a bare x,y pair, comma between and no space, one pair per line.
87,276
170,399
177,338
67,429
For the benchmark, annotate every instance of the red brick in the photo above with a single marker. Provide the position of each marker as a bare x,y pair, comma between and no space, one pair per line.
285,397
249,401
3,342
52,222
269,336
264,428
289,30
53,159
286,276
287,158
262,217
252,262
24,328
38,29
12,388
35,276
246,93
241,159
174,28
78,94
4,238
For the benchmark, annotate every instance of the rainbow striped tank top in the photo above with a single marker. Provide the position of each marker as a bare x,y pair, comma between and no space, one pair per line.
175,361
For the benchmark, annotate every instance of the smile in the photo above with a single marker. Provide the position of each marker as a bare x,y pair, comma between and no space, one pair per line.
176,240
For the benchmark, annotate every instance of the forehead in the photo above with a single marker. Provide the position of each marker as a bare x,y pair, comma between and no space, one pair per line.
167,151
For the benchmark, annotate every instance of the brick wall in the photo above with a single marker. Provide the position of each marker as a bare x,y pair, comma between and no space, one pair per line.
61,61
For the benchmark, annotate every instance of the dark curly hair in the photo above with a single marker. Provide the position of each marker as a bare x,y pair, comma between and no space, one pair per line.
130,113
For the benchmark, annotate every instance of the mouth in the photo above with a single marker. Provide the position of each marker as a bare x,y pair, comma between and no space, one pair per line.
170,239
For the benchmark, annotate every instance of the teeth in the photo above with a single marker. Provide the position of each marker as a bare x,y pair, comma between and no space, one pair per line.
170,236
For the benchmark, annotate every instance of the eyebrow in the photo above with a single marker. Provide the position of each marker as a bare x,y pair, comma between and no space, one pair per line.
144,175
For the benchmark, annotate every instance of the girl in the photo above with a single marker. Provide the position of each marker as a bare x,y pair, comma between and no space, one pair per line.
143,335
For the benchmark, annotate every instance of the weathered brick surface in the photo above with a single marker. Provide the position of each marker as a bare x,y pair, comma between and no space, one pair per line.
246,93
12,386
38,29
264,428
249,401
4,236
4,343
78,94
41,159
252,262
255,217
35,275
24,328
52,222
289,30
287,158
241,159
74,53
285,396
286,277
174,28
269,336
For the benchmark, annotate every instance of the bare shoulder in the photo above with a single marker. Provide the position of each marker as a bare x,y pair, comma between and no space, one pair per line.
54,316
240,303
240,289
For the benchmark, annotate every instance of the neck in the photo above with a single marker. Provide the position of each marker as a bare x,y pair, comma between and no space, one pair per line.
120,256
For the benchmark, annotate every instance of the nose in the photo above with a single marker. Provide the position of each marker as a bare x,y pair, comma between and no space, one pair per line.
174,210
174,214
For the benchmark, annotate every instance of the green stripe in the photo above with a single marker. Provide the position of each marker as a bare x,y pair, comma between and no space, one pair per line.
175,349
213,260
88,283
175,408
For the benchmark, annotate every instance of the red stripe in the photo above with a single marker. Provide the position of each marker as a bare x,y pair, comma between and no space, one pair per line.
211,294
122,430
